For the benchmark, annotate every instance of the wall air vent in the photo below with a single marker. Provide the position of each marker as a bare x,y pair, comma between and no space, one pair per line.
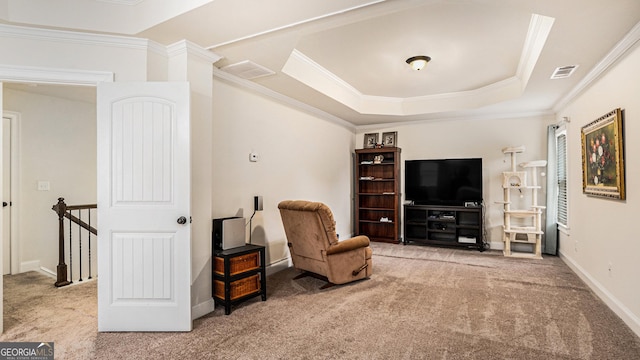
247,70
563,72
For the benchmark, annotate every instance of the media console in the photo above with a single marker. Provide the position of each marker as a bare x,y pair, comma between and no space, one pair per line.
459,226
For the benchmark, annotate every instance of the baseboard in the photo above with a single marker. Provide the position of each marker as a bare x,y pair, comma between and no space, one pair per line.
33,265
614,304
279,266
48,272
202,309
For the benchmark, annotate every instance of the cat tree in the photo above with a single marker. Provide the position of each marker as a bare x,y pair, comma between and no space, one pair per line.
522,226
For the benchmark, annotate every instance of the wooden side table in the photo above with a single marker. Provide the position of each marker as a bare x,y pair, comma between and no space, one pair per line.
238,275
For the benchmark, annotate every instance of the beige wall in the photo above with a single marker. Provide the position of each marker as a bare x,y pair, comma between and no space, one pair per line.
475,138
300,157
601,232
58,145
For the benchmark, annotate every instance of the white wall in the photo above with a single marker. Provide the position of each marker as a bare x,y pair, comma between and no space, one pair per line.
474,138
602,232
189,64
58,145
300,157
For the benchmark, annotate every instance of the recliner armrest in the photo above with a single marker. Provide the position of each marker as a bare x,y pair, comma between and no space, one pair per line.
348,245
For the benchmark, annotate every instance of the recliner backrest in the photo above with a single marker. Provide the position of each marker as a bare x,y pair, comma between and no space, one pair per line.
309,226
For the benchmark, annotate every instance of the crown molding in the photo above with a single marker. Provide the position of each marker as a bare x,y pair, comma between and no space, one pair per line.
293,103
157,48
539,30
618,52
477,117
72,37
304,69
307,71
42,75
188,47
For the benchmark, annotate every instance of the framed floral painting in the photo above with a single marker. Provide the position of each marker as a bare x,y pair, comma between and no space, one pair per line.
603,157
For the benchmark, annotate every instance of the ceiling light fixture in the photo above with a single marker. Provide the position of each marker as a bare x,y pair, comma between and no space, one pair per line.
418,62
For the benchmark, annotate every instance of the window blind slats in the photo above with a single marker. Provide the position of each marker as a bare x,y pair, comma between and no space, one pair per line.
561,161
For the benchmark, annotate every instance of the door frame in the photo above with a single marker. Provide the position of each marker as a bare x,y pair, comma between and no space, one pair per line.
14,208
37,75
45,75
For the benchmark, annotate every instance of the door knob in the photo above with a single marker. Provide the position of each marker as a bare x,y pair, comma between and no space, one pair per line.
182,220
4,203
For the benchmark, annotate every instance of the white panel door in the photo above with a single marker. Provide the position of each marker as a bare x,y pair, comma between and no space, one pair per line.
6,195
1,255
144,245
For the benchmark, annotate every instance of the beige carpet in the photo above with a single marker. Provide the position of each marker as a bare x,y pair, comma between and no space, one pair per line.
421,303
37,311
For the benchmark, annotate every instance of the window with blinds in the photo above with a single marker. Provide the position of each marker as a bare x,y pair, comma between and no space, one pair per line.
561,161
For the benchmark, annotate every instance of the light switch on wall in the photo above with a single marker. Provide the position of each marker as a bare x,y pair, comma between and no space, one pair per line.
43,186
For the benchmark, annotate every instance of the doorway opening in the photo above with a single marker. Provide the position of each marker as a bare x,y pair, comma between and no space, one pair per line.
53,154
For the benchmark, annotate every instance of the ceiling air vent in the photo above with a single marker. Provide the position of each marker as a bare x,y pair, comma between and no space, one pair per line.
563,72
247,70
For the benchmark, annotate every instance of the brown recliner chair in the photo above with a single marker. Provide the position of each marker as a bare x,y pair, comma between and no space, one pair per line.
314,246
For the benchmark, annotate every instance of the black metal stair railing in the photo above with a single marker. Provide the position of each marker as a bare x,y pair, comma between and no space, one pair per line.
83,231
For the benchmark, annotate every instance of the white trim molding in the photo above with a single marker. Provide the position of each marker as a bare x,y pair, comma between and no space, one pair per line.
202,309
33,265
293,103
307,71
42,75
75,37
186,46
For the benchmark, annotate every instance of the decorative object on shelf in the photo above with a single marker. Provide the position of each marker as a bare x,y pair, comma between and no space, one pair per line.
603,157
370,140
390,139
378,159
418,62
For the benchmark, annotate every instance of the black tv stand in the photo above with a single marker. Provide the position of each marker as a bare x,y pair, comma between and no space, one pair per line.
457,226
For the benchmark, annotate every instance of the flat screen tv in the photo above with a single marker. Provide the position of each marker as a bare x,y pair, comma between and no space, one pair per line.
443,181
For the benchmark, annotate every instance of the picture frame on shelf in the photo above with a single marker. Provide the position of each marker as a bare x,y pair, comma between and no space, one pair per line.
370,140
390,139
603,169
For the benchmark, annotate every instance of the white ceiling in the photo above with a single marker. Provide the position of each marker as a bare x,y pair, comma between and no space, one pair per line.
490,58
